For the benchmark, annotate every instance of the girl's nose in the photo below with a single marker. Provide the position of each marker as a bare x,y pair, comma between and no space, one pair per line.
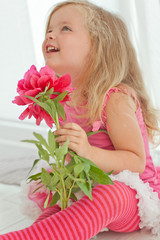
50,35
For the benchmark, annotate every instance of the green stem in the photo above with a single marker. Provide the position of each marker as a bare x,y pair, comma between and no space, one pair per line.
70,190
64,195
57,121
61,199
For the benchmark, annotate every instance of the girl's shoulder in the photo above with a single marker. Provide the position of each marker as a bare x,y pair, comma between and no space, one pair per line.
120,96
119,101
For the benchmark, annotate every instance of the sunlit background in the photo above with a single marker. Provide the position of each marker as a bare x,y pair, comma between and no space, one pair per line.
22,27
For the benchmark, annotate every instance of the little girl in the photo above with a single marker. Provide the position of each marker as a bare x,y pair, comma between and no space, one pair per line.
93,46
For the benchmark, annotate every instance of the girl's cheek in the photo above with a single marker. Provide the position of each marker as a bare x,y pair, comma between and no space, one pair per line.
43,46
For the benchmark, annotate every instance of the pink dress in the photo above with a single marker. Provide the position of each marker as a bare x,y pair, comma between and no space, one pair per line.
147,184
102,140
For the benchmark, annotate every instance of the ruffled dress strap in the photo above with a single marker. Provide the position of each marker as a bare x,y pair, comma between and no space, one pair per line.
120,89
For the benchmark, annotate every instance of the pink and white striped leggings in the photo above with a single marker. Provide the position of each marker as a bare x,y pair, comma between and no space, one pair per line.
113,206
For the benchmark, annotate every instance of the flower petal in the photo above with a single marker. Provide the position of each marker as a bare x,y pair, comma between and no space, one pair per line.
47,71
35,82
24,114
33,92
44,81
20,100
49,121
96,126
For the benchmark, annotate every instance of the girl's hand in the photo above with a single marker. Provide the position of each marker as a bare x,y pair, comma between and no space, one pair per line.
78,140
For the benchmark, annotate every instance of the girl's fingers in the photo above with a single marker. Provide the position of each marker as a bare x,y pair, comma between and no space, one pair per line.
73,146
64,138
69,129
62,131
78,141
72,126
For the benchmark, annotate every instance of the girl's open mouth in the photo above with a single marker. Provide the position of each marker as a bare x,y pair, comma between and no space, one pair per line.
50,49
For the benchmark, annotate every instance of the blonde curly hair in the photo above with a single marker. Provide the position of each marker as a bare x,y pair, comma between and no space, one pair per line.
112,61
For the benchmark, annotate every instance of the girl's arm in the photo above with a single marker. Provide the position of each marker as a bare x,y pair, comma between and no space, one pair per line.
124,133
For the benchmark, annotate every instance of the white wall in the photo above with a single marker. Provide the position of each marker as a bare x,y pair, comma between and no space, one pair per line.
16,52
16,56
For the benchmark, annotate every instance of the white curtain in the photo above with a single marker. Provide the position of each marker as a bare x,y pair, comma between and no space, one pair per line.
143,20
22,24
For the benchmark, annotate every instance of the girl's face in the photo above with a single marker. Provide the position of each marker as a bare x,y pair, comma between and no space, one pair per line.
67,43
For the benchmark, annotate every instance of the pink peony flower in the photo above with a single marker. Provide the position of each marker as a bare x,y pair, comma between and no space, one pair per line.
40,195
35,82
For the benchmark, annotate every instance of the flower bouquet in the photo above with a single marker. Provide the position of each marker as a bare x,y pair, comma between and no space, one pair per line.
45,94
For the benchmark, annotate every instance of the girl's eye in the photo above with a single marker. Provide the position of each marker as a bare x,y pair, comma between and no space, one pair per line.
65,28
49,31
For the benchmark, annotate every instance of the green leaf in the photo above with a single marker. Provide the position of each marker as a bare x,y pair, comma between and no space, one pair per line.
84,188
89,182
61,96
44,92
62,151
46,88
84,160
56,93
53,108
55,199
34,177
45,177
40,95
77,159
75,189
86,167
34,164
30,141
73,196
55,179
36,189
70,164
61,111
54,166
46,201
41,139
59,185
99,176
90,133
62,171
68,182
51,142
50,91
72,177
43,105
78,169
43,153
52,188
109,173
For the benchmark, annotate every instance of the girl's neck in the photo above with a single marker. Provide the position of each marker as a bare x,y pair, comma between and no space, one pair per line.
77,101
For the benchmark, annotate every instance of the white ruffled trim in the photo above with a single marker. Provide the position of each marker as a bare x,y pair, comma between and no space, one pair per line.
29,207
149,203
